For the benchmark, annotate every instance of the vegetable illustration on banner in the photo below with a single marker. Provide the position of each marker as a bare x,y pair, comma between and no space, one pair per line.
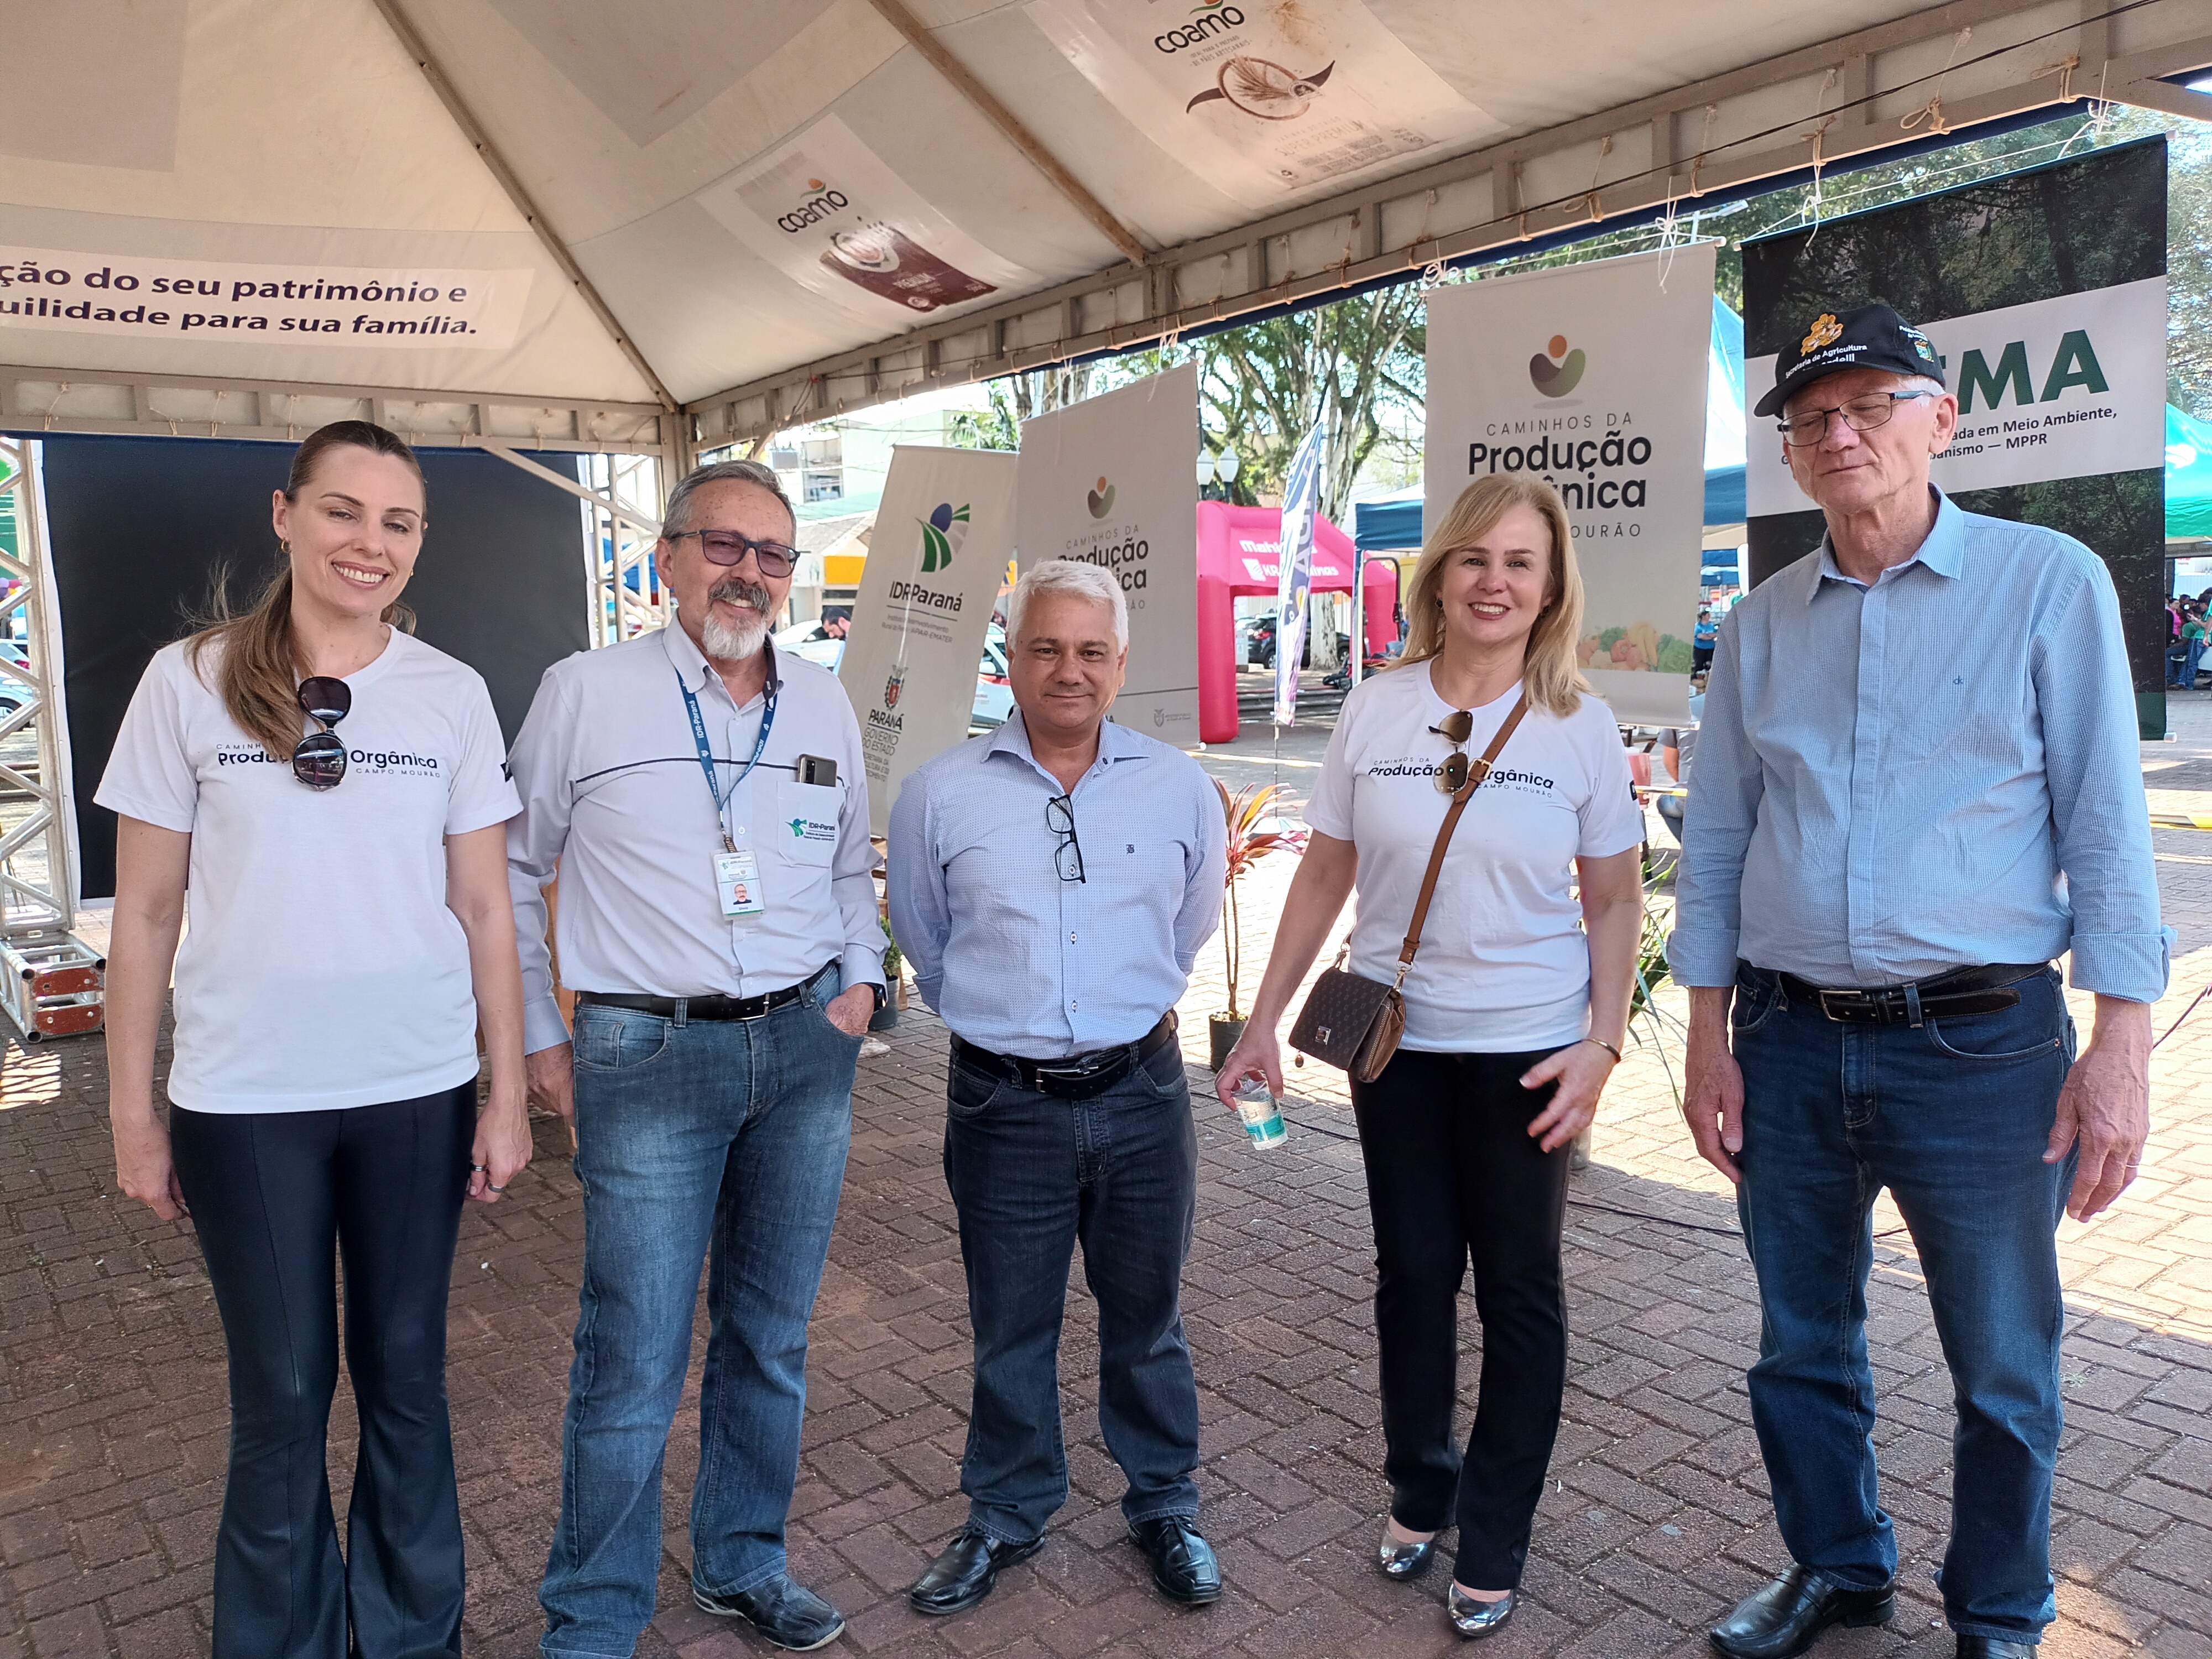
1294,573
826,210
1263,96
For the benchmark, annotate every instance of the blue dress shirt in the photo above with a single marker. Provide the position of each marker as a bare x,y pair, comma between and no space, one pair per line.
1936,770
1014,959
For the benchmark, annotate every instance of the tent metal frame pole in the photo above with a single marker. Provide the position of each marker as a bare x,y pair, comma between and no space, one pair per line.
52,982
1842,100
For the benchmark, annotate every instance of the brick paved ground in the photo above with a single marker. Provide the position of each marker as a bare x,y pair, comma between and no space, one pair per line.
112,1419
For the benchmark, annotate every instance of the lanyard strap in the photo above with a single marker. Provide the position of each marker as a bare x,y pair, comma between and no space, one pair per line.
722,798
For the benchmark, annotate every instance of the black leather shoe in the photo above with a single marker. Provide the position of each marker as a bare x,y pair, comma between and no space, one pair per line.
1473,1618
964,1573
790,1615
1182,1561
1401,1560
1783,1619
1989,1647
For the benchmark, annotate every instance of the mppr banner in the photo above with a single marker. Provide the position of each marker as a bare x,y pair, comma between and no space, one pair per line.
2044,294
2067,387
1113,480
938,552
1592,377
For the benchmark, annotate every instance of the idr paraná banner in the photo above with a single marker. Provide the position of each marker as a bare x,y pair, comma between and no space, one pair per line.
2044,294
1593,378
1113,480
828,212
942,538
391,308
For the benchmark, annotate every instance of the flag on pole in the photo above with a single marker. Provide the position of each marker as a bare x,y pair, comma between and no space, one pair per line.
1294,572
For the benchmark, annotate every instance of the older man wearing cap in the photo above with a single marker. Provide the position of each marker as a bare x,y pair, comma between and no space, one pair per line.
1917,784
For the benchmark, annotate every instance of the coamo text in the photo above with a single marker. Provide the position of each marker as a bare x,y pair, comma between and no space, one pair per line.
1553,456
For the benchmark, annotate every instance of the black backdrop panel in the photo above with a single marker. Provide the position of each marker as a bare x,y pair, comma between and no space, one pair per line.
139,526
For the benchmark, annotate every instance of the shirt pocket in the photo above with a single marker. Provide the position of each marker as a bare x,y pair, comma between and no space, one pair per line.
805,830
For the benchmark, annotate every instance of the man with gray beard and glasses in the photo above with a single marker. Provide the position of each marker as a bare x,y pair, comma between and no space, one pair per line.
705,803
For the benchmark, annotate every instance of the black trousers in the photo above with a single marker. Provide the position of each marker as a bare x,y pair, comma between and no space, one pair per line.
1453,1175
277,1197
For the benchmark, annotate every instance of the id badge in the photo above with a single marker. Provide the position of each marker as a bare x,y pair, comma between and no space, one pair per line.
736,879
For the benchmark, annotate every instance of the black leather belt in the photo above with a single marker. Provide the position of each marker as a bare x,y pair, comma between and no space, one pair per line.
712,1007
1967,991
1079,1076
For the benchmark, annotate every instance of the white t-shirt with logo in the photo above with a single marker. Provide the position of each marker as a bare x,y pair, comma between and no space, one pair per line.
1504,966
321,968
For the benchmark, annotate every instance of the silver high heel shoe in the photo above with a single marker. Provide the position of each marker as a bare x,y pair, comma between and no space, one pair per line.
1475,1620
1401,1560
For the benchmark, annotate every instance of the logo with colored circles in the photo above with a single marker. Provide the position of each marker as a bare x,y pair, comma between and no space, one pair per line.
1556,371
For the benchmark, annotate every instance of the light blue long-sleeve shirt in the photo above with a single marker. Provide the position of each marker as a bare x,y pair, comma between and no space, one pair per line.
1014,959
1937,770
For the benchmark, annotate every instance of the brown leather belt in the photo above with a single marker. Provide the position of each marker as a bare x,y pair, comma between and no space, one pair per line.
1947,996
1079,1076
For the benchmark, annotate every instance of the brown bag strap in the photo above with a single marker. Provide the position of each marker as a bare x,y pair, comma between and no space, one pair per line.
1476,775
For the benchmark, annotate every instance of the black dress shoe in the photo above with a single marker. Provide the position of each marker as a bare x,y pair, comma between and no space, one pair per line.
1182,1561
1783,1619
964,1573
1989,1647
790,1615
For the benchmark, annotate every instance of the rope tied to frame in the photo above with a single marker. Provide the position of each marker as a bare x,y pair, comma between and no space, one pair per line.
62,391
1590,200
2063,68
1931,114
1705,147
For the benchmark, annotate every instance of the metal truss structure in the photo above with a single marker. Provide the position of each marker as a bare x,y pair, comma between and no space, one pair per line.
1898,84
50,982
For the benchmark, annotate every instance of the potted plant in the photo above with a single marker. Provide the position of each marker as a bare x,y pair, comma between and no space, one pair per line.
894,982
1244,811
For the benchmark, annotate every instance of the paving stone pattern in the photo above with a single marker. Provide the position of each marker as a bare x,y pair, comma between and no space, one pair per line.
113,1419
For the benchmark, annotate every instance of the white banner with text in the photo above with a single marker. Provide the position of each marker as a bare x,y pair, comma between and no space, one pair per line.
1113,480
938,555
392,308
1592,377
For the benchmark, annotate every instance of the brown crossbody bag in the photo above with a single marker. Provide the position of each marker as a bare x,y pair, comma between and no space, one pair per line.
1353,1022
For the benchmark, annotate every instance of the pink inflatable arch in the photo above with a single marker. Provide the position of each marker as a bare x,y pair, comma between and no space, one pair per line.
1238,555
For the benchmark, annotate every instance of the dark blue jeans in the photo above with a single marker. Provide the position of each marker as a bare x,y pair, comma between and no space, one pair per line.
1951,1116
721,1141
1030,1176
278,1197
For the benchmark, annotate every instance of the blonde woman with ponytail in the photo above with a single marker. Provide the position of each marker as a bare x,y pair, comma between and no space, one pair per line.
1515,1008
330,789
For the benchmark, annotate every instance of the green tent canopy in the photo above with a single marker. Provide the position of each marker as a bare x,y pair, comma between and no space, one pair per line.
2188,478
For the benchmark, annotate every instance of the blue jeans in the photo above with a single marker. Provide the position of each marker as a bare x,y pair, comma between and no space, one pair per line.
2193,655
1031,1175
1951,1116
719,1140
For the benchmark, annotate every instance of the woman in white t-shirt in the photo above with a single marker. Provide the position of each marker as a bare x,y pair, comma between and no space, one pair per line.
331,790
1515,1008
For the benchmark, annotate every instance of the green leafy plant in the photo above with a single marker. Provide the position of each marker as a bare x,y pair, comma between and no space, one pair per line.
1244,812
893,959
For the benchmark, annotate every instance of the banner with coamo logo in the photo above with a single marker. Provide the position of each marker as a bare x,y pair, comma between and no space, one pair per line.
1262,97
1113,480
825,210
936,558
2044,294
1592,377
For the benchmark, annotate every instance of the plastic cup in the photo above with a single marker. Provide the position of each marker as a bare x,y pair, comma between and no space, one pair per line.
1262,1117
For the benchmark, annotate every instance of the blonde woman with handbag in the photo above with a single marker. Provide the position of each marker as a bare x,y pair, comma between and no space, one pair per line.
1514,1006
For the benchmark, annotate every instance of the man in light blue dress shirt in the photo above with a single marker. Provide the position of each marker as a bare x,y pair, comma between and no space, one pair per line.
1916,783
1052,885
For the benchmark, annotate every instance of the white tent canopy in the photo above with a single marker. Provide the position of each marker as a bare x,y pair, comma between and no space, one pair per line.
592,177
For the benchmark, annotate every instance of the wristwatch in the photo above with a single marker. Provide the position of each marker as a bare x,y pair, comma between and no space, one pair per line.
883,997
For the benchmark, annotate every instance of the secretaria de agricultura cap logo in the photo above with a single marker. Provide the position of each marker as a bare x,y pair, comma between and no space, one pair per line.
1555,371
1101,499
942,533
1825,331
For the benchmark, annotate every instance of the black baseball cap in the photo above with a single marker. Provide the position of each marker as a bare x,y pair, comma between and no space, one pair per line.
1871,336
